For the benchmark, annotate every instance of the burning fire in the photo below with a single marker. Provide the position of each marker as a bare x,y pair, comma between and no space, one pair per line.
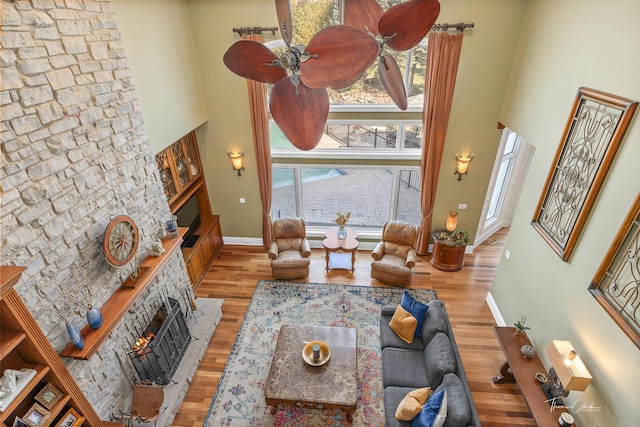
143,342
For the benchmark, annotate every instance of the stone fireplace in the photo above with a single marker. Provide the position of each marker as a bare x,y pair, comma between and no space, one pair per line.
75,153
158,350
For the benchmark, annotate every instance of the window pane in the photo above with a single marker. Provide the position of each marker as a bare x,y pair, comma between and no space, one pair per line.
408,208
379,136
283,199
363,136
309,17
412,137
366,193
417,67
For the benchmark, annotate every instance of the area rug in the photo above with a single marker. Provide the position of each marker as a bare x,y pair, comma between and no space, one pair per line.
239,400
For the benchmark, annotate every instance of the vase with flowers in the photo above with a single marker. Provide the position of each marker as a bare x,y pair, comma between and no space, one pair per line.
84,295
342,220
60,308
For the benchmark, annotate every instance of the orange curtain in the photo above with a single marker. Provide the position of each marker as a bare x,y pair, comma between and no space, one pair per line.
262,146
443,54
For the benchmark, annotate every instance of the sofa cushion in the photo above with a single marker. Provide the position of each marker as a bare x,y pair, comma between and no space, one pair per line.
400,251
403,368
289,259
415,307
392,398
439,358
411,405
458,411
403,324
434,322
292,244
434,412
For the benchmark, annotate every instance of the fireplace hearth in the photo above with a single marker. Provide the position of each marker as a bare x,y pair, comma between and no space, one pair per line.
160,348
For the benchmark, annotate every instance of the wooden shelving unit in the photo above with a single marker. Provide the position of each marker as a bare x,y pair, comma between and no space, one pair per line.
122,299
182,178
23,345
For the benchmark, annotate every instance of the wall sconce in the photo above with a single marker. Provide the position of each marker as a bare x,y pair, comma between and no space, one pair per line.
567,371
462,164
452,221
237,161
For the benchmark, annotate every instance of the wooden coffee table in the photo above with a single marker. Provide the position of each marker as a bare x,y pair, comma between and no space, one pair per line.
293,382
340,253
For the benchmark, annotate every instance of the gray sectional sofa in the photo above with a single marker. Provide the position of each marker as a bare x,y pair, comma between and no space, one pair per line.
432,361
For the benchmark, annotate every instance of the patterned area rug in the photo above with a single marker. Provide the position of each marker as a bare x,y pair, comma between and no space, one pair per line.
239,400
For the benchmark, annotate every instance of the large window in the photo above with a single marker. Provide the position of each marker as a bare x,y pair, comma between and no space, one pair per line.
372,195
368,159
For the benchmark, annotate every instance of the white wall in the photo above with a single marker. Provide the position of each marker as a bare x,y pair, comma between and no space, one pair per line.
566,45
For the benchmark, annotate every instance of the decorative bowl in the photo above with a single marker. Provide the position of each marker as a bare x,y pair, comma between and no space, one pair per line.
541,377
527,351
307,353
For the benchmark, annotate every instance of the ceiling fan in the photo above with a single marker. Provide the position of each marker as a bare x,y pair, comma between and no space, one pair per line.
336,57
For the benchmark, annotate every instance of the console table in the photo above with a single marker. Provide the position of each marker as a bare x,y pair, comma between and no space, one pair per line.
522,371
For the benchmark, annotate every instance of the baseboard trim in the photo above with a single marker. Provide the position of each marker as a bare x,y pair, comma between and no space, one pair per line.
495,310
242,241
314,243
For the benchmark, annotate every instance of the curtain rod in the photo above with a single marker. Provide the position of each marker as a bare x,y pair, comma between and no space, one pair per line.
255,30
460,26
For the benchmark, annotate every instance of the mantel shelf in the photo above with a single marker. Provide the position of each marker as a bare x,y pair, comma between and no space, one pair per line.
119,303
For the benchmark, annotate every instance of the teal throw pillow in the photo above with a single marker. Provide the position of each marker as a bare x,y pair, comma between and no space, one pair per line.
416,308
434,411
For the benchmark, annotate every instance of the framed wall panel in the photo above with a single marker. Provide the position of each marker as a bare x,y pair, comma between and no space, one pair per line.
616,284
591,138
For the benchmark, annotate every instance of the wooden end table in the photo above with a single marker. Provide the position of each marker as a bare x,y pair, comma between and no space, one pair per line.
338,250
446,255
522,371
293,382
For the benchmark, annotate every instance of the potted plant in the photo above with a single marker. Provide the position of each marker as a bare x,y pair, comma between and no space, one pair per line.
460,237
520,326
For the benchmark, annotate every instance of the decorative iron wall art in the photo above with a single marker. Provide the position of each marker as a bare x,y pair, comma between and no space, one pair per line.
616,284
590,141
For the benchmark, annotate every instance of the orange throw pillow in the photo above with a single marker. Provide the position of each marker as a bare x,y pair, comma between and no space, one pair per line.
403,324
412,404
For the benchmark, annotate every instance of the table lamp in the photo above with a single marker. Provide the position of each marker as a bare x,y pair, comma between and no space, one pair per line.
567,371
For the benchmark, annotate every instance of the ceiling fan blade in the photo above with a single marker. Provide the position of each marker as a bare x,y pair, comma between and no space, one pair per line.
342,53
283,10
249,59
363,15
392,80
409,21
347,82
300,113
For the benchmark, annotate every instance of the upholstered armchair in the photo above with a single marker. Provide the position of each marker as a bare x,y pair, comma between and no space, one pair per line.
289,250
395,255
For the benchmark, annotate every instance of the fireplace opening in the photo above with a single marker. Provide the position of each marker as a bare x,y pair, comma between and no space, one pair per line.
160,348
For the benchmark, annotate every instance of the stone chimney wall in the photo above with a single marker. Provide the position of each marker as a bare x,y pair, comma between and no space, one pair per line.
75,153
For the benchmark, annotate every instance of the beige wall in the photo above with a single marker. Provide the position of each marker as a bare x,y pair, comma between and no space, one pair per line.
160,49
578,43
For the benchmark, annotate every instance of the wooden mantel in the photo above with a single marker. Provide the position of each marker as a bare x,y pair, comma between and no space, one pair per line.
121,301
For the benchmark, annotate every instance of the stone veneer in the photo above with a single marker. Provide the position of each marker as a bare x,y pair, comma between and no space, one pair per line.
75,153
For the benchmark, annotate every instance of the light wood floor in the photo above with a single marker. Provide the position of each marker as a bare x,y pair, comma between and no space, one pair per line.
234,274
